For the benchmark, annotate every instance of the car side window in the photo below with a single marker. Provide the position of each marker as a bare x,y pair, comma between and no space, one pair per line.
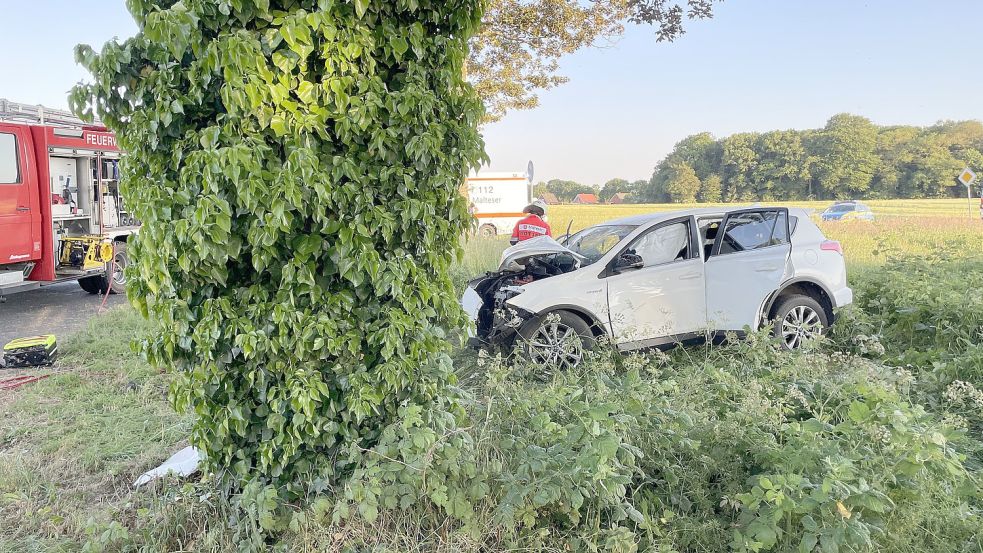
754,230
9,170
663,244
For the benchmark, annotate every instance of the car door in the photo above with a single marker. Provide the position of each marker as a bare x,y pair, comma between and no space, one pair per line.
660,297
18,204
749,260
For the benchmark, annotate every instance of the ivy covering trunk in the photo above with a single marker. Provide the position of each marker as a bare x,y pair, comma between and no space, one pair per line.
296,165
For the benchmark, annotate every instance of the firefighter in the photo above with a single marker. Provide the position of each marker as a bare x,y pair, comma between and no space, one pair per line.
532,225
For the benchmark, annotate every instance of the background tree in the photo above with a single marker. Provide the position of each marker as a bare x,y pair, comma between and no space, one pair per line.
636,189
614,186
930,170
846,156
710,189
894,158
782,169
681,183
516,53
297,171
738,160
565,190
700,151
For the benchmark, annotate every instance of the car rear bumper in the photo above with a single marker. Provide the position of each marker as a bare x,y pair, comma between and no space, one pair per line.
843,296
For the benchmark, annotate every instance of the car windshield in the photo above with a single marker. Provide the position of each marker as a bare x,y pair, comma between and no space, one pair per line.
841,208
594,242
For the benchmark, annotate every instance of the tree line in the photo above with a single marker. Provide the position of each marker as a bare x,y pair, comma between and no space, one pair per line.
850,157
566,190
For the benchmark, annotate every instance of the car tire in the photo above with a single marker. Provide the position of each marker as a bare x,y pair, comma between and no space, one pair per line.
93,284
115,275
559,340
487,231
799,318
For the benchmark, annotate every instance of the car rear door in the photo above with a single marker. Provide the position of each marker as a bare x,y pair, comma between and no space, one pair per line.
749,260
18,200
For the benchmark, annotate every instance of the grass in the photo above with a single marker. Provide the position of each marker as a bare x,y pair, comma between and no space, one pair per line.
71,445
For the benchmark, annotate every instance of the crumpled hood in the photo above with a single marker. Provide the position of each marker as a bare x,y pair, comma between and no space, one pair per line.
515,257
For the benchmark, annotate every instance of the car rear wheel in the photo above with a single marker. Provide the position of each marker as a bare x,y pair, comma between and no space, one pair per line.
799,319
559,340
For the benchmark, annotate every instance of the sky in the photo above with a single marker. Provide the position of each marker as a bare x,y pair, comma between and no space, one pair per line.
758,65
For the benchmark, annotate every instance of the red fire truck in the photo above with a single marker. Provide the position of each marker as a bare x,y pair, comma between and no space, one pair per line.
61,215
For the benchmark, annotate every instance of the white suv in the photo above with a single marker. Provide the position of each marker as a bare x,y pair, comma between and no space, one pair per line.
661,279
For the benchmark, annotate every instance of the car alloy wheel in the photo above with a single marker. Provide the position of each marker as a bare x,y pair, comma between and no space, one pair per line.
801,323
556,344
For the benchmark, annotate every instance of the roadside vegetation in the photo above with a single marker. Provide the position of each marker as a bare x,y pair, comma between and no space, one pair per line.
869,441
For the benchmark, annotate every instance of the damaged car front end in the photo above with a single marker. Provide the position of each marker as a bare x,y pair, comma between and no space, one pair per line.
486,299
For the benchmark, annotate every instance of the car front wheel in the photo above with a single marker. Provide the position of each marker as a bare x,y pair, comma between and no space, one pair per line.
799,319
559,340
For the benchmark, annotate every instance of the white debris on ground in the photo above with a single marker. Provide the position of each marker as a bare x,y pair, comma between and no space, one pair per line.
182,463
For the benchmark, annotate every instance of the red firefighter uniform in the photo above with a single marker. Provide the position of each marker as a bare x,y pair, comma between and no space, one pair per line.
530,227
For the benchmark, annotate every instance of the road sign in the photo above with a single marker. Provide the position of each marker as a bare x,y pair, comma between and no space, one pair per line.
967,177
529,170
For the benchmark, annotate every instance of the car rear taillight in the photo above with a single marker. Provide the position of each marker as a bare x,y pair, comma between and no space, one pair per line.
831,246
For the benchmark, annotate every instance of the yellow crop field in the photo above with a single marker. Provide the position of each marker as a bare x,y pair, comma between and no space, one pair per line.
587,215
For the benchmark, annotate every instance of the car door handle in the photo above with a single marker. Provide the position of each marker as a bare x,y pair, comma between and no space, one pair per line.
766,268
690,276
22,208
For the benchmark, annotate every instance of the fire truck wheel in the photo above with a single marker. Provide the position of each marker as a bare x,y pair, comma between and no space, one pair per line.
93,284
487,231
115,276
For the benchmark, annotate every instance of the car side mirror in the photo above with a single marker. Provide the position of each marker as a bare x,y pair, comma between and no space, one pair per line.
628,261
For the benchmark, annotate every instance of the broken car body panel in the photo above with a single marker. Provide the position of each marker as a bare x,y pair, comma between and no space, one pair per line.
515,258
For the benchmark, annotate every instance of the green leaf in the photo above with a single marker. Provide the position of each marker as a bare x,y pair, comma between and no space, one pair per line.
306,92
399,45
279,124
369,511
808,543
858,411
607,446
